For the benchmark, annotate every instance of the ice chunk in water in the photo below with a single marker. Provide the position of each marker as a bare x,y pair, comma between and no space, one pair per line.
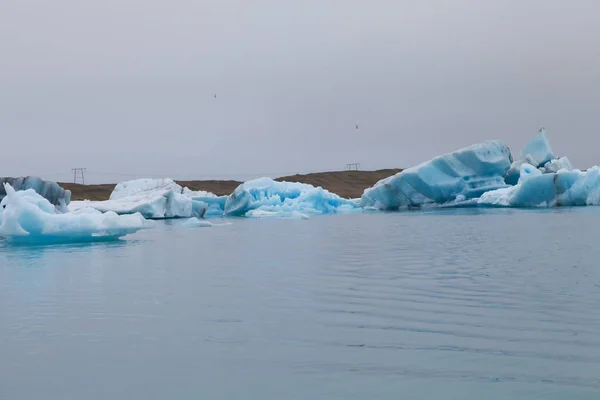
197,223
265,197
27,217
467,173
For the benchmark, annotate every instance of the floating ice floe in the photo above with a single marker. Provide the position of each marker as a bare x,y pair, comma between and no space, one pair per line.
51,191
153,198
27,217
265,197
455,177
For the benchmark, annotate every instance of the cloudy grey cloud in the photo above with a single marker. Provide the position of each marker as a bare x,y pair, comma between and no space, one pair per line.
125,87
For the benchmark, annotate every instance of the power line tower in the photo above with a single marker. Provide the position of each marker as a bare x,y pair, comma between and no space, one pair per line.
78,172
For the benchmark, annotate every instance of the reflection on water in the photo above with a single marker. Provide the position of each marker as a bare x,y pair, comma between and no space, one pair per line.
465,303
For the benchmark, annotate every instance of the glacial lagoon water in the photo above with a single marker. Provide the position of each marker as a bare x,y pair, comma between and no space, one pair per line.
446,304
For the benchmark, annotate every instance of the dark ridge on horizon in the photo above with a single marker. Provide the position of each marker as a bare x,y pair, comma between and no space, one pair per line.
349,184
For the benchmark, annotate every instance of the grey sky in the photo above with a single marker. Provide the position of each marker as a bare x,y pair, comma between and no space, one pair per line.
126,86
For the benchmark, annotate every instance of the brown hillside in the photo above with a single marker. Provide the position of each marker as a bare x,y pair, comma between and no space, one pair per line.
348,184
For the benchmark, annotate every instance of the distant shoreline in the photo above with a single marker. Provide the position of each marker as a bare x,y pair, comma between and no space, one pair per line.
349,184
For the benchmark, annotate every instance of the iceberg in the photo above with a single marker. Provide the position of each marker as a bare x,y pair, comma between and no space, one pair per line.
144,188
264,197
197,193
536,189
538,151
51,191
539,154
152,198
459,176
215,205
28,217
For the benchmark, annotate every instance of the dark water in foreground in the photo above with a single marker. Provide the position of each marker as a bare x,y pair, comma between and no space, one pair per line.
457,304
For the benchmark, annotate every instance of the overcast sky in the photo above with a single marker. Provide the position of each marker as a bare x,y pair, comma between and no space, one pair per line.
125,87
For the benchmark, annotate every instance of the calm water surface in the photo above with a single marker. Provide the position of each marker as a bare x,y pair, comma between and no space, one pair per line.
455,304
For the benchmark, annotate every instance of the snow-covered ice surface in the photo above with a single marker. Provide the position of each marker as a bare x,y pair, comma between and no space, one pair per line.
464,174
28,217
51,191
153,198
265,197
144,188
538,151
197,193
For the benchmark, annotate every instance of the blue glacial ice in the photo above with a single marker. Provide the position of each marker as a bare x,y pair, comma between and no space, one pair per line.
538,151
215,205
555,165
51,191
537,189
265,197
27,217
153,198
451,178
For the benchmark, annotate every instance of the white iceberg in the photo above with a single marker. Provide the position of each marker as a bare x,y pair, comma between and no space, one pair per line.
51,191
28,217
535,189
538,151
197,193
153,198
462,175
265,197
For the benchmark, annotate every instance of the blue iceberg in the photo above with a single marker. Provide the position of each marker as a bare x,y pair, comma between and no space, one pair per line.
455,177
555,165
536,189
539,154
265,197
27,217
214,205
51,191
538,151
